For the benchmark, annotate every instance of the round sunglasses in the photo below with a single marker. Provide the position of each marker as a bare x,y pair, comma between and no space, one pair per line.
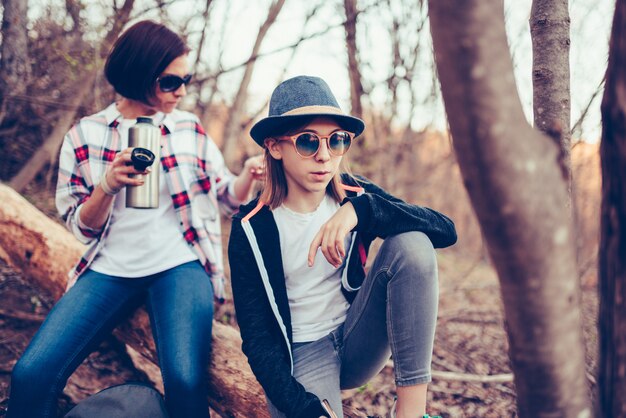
307,144
171,82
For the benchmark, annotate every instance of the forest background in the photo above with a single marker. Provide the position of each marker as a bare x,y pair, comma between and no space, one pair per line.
377,56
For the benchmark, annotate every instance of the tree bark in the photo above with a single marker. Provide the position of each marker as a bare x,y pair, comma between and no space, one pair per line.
14,67
44,252
356,81
612,262
233,124
51,145
549,32
14,60
513,178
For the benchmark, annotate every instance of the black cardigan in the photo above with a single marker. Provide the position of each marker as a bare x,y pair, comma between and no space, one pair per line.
260,294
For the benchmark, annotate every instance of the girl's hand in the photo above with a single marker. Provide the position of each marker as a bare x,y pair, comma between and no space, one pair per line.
332,234
255,167
117,175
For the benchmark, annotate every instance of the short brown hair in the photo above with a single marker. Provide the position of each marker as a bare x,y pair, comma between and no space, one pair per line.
139,56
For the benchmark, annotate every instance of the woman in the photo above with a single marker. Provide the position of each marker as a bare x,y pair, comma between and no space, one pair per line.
313,323
169,257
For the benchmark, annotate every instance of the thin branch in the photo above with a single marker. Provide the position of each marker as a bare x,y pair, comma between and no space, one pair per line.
466,377
41,101
281,49
73,8
472,378
24,316
205,16
585,111
307,19
158,6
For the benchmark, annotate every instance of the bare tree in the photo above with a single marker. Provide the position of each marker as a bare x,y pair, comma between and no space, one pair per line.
205,18
389,124
73,8
549,31
233,125
14,59
612,264
47,152
517,190
354,70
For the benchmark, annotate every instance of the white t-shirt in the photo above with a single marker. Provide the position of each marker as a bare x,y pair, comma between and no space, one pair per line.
142,242
315,300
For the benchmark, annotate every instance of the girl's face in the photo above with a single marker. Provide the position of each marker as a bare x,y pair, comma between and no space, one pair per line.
308,175
166,101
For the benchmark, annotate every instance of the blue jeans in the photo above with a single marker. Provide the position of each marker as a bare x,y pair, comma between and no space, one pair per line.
394,313
180,304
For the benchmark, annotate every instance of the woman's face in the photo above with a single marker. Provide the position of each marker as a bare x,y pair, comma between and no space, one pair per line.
309,175
166,102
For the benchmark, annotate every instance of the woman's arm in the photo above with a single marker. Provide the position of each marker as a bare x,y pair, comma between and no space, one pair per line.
253,169
75,188
231,190
96,209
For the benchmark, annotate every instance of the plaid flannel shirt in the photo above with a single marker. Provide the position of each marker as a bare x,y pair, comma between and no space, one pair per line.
195,173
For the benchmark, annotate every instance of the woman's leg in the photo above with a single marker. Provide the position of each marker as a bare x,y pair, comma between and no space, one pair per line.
316,366
181,313
395,312
74,327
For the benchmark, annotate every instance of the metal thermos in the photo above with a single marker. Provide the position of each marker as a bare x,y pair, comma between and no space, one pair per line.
145,135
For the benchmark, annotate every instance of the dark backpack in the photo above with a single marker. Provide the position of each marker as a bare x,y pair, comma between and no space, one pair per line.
131,400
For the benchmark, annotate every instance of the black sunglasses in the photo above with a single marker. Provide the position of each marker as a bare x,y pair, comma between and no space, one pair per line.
170,82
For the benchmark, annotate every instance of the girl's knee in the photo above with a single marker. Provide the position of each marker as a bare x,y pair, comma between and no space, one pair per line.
413,250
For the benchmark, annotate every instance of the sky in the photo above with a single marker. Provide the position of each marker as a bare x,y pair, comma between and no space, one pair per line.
325,56
234,25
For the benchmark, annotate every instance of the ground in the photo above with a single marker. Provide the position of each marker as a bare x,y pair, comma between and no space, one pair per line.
470,339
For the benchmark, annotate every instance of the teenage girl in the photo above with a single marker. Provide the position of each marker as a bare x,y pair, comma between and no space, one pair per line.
313,321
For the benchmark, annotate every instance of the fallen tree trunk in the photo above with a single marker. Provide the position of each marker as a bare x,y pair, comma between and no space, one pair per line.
44,251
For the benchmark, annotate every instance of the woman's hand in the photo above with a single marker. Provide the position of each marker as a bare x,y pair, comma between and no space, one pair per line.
117,175
255,166
332,234
96,209
253,169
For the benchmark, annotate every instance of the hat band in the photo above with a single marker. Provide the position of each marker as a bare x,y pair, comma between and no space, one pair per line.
307,110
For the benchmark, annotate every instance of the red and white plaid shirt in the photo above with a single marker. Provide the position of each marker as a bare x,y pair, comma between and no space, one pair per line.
196,176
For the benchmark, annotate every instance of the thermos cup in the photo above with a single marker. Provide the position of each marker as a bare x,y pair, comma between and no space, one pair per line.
146,139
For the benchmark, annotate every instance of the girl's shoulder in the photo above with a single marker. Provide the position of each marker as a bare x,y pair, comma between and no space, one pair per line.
246,209
355,180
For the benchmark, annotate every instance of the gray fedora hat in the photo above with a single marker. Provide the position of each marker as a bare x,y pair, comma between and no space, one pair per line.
298,98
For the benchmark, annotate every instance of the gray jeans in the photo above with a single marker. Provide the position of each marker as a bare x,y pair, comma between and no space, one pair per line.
394,313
